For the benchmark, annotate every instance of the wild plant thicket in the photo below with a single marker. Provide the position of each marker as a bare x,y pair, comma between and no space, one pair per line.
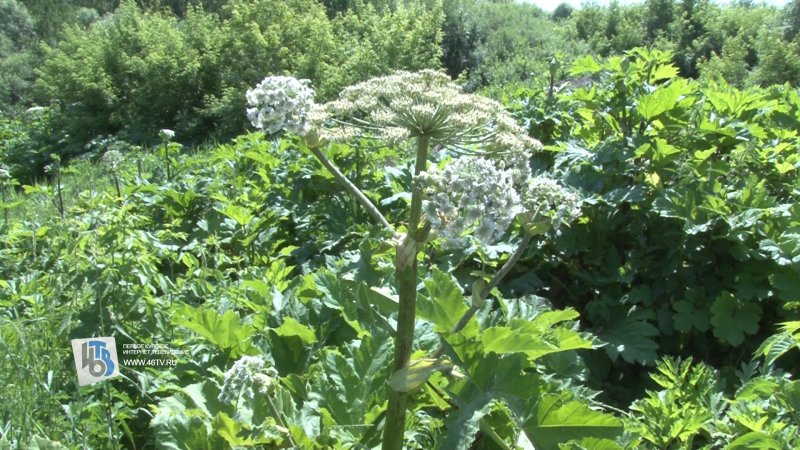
658,311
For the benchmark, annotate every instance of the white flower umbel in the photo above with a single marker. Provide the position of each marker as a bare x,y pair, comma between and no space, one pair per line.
547,204
112,159
280,103
405,105
245,374
471,200
166,135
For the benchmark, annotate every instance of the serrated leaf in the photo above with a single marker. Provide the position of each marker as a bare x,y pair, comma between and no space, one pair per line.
180,421
586,64
733,319
463,424
687,316
754,441
291,327
535,338
663,72
241,215
778,344
444,304
554,420
226,331
702,155
228,429
349,388
784,167
631,339
661,100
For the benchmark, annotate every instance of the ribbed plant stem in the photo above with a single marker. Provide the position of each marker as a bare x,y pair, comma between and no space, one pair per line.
406,272
496,279
351,188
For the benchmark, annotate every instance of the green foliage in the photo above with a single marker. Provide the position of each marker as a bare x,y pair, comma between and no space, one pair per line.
17,56
251,250
741,43
690,212
497,43
112,78
610,30
693,409
26,143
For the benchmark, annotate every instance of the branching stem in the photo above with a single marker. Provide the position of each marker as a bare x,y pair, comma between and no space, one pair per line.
498,277
351,188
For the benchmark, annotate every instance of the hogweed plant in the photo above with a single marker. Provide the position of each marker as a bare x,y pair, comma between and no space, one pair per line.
481,184
166,136
54,169
5,183
111,160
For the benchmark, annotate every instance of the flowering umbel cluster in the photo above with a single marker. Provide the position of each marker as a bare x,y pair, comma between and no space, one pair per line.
280,103
470,197
166,135
547,204
426,103
245,378
474,200
112,159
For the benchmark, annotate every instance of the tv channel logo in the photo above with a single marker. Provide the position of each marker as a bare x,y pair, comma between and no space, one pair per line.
95,359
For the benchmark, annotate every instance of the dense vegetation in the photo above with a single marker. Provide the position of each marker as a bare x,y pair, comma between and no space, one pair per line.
665,316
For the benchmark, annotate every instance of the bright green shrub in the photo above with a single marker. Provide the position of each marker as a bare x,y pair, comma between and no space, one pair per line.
493,44
778,60
27,142
133,72
691,240
408,37
136,72
17,56
263,37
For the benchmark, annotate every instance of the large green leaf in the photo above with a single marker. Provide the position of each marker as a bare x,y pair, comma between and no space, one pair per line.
226,331
662,99
554,420
632,339
535,338
349,386
754,441
291,327
732,319
444,304
183,421
463,424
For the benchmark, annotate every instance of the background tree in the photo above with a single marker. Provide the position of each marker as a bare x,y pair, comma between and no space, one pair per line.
562,11
17,55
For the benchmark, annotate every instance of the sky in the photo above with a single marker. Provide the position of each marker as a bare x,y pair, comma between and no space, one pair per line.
550,5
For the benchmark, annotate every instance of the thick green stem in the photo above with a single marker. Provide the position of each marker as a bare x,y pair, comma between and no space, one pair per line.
168,160
116,183
5,206
60,195
351,188
406,273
